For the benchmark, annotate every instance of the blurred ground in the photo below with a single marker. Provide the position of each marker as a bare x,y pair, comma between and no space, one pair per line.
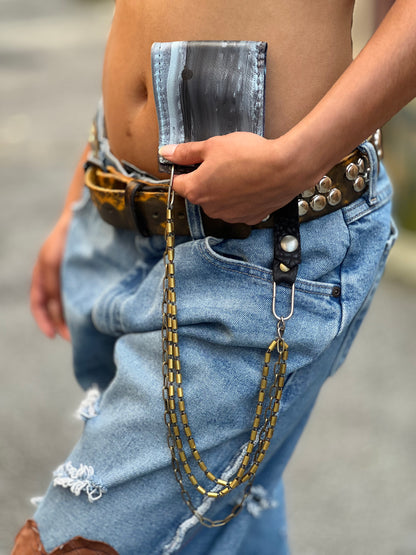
351,484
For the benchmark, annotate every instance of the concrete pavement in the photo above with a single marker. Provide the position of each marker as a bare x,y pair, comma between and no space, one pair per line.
351,486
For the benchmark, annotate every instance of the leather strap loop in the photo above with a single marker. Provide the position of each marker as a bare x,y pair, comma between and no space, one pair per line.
287,252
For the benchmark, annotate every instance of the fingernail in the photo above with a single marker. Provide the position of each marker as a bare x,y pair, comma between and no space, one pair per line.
167,150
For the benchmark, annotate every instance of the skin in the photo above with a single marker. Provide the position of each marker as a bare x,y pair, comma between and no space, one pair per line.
380,9
319,106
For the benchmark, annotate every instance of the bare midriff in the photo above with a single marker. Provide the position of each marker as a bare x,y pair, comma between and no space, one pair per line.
309,46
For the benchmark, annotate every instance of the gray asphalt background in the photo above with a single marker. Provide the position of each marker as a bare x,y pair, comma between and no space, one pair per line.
351,483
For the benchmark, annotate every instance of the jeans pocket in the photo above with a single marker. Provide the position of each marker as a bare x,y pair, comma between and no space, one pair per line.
241,270
255,253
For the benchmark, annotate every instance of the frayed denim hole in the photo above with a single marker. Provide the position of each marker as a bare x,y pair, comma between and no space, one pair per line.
89,407
258,500
79,480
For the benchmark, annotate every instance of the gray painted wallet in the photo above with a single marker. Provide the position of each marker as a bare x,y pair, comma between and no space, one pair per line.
207,88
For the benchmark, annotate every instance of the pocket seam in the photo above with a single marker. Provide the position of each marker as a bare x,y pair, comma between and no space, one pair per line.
258,272
352,330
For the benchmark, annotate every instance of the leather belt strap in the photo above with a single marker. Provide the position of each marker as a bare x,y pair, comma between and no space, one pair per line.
131,203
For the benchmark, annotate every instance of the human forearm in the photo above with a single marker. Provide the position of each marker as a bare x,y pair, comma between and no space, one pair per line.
76,186
45,292
379,82
381,7
244,178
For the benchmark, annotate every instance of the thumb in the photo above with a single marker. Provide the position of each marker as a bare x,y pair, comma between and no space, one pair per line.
185,154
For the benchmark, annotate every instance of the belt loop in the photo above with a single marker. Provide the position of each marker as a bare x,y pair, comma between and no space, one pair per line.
196,226
132,188
370,152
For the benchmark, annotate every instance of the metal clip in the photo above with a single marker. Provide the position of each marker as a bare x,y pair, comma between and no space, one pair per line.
282,319
171,192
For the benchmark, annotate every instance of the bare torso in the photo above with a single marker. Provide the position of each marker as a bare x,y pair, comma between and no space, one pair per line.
309,46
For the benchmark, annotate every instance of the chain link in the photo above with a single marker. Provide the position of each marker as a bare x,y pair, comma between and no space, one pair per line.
179,431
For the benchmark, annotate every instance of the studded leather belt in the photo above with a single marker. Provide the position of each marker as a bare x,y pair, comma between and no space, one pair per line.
136,204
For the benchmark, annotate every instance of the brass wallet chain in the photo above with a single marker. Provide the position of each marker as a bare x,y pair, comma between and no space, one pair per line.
179,431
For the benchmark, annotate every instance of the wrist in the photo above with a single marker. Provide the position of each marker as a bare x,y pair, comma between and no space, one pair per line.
313,158
307,152
297,163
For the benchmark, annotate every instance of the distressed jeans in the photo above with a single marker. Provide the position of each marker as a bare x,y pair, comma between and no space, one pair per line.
117,485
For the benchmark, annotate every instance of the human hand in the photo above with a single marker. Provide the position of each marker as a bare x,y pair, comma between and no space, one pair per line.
242,177
45,291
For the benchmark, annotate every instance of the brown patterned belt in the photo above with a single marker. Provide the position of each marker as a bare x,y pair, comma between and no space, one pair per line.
131,203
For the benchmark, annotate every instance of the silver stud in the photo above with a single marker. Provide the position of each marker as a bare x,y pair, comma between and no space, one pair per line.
309,192
334,197
289,243
284,268
378,143
351,172
303,207
318,203
359,184
360,164
324,185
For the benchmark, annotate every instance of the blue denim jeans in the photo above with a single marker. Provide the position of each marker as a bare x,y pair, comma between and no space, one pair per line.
117,485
